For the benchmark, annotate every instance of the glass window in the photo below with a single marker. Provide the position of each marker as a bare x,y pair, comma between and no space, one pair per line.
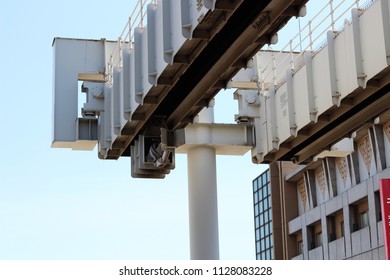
261,209
257,223
270,215
256,197
262,244
267,242
256,209
266,229
265,191
261,219
257,234
264,179
265,203
269,202
266,219
269,188
258,246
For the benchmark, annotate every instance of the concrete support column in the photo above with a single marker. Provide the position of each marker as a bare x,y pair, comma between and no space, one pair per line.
203,208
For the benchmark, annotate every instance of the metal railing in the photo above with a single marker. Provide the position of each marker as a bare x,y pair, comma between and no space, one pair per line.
126,38
310,38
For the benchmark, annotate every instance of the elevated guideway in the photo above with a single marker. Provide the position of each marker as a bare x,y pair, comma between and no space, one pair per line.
311,100
160,74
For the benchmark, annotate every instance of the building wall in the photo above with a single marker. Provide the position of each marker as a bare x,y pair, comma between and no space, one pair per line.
338,206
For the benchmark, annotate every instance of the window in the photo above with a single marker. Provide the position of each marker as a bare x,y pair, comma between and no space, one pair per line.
335,225
359,214
378,206
314,232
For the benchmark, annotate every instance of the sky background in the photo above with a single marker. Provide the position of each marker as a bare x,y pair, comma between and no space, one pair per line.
63,204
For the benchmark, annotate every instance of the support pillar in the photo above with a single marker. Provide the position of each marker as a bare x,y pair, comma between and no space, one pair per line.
203,208
202,195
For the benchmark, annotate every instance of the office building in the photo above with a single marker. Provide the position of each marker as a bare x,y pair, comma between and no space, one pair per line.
329,208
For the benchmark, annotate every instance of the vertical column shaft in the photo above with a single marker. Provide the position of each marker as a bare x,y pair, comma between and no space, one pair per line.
203,208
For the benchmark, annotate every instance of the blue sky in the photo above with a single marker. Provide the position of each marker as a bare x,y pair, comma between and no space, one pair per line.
63,204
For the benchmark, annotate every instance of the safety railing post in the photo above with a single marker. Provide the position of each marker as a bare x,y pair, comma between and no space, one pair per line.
142,13
310,37
130,35
291,56
120,51
332,14
274,69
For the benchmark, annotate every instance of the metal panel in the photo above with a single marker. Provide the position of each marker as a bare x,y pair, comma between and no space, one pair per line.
192,13
173,37
301,100
332,68
268,121
117,91
156,63
109,135
291,103
345,61
312,101
209,4
128,75
102,145
321,81
71,57
360,74
373,61
282,116
142,84
386,27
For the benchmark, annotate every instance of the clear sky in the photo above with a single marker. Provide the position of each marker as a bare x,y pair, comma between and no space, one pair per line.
63,204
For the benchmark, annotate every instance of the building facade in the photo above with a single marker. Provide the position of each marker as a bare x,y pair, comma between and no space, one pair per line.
329,208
